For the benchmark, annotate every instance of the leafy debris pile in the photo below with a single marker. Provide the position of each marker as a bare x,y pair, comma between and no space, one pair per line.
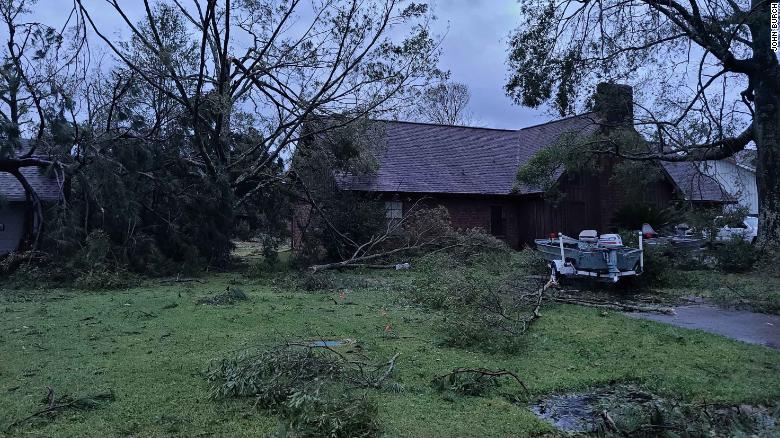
231,295
314,390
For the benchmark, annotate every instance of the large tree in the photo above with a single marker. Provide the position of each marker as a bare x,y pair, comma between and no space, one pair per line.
706,77
445,103
272,66
204,100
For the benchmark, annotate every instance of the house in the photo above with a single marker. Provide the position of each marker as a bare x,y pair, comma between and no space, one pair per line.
737,175
473,173
16,212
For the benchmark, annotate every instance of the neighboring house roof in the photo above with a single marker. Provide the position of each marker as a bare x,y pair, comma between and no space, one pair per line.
746,159
427,158
694,184
48,187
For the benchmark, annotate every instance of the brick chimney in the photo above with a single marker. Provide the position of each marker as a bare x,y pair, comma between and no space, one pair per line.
614,103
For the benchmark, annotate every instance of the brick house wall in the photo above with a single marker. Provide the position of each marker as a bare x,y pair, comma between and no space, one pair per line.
589,203
468,212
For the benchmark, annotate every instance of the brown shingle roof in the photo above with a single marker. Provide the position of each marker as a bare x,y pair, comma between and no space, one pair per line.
426,158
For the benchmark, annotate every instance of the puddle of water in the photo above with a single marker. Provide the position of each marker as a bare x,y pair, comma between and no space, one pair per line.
580,413
330,342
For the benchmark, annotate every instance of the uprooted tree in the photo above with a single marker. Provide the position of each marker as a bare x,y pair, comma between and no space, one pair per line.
710,81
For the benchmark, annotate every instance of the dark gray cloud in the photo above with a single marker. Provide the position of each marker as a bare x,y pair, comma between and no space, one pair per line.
475,49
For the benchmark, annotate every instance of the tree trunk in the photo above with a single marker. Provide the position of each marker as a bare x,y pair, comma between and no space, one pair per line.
35,220
767,138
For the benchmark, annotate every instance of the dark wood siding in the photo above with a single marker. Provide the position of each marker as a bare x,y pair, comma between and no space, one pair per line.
587,202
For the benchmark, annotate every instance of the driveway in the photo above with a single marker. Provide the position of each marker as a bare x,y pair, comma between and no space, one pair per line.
753,328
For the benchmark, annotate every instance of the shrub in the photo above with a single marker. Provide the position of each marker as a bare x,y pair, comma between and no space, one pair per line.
735,255
632,216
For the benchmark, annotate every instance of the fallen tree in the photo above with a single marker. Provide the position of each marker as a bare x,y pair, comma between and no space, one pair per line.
421,231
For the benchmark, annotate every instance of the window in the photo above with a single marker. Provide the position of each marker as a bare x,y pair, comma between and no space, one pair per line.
394,209
497,221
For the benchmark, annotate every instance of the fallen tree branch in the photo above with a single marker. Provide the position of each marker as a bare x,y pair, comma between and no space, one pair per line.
610,423
482,372
620,307
181,280
379,381
516,317
356,265
535,314
52,406
356,261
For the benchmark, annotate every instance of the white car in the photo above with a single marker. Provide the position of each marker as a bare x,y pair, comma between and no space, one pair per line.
747,232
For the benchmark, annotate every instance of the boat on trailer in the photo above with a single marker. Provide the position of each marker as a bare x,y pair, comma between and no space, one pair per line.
599,257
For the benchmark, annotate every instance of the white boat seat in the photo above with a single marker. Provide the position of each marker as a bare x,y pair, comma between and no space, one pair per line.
589,236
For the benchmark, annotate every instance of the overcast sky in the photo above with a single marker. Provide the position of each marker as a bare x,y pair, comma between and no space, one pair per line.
475,35
475,49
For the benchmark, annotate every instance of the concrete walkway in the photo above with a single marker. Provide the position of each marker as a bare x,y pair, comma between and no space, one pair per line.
753,328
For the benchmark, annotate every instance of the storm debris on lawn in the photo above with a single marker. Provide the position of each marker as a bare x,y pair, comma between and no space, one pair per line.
54,405
474,381
618,306
315,390
231,295
629,411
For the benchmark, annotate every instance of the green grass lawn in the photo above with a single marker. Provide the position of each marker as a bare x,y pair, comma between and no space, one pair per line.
756,291
152,344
